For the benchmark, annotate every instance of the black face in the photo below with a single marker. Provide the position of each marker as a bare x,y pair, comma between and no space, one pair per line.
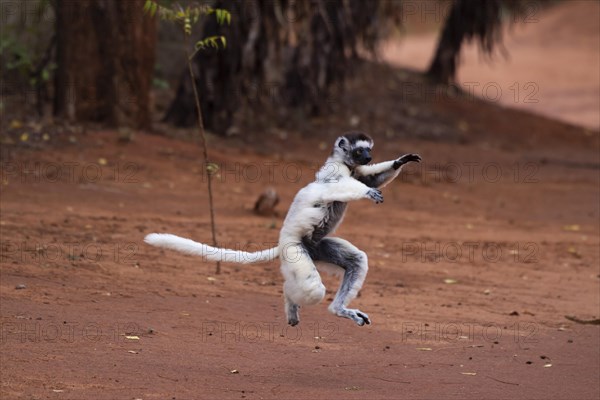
361,155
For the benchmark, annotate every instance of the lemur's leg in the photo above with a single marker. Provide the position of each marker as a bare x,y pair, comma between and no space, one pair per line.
303,285
354,262
292,312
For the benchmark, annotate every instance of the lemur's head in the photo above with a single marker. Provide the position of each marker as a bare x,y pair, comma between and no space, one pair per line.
353,149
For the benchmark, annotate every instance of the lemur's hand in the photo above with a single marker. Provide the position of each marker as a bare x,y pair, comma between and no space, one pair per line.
406,159
375,195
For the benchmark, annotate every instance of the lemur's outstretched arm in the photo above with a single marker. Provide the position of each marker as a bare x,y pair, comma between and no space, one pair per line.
347,189
380,174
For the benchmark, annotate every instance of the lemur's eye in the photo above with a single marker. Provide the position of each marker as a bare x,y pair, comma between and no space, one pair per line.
357,152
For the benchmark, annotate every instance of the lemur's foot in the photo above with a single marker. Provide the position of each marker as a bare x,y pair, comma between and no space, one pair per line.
355,315
406,159
375,195
293,315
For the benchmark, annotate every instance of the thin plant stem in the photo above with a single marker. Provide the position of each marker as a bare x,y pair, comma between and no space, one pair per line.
209,171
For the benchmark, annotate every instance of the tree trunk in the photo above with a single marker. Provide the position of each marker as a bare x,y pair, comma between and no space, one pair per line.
467,20
443,66
105,58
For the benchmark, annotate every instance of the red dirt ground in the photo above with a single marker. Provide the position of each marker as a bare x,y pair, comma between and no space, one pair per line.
528,242
477,258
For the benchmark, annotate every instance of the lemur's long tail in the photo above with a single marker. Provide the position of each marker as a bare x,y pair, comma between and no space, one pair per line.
210,253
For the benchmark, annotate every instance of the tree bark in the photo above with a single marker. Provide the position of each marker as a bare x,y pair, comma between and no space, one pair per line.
105,58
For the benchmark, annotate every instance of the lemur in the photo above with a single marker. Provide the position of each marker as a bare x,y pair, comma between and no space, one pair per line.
304,244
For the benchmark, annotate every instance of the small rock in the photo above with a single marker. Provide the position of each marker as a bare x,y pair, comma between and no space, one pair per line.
20,286
233,131
265,205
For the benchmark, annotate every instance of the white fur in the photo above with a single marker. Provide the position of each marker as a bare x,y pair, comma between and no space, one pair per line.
375,168
303,284
187,246
364,170
363,143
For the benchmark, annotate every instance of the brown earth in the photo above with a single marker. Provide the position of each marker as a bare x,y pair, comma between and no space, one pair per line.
477,258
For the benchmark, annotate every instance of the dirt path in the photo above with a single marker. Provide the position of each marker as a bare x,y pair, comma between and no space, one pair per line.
551,69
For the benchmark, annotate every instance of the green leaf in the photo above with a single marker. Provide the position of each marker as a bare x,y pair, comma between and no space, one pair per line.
221,15
212,168
187,25
211,41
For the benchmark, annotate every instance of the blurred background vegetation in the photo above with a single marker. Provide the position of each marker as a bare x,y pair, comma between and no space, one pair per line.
106,62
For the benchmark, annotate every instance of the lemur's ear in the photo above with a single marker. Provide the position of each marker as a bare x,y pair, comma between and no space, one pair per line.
341,142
